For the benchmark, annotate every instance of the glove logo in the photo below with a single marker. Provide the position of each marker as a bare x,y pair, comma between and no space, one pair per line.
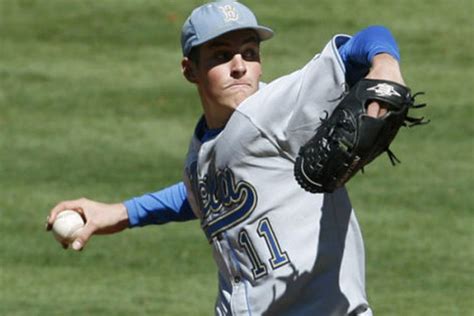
384,90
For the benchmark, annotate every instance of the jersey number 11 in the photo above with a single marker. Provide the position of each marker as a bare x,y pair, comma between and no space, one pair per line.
278,257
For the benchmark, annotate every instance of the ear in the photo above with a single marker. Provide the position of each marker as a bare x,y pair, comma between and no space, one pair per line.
188,69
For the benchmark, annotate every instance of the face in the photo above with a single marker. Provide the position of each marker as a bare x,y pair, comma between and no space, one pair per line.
228,71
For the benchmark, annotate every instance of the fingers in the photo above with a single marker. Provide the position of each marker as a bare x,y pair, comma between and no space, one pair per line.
83,237
99,218
374,109
76,205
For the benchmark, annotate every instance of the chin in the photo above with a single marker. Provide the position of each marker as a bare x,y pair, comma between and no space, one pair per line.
242,95
239,100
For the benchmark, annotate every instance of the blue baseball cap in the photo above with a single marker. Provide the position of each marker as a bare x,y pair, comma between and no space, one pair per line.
216,18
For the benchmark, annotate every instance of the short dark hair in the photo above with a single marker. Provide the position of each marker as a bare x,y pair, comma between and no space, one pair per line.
194,55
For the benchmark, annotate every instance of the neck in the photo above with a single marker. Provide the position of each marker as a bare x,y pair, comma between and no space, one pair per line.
216,114
216,118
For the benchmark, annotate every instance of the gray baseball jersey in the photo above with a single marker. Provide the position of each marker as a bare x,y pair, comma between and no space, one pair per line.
279,249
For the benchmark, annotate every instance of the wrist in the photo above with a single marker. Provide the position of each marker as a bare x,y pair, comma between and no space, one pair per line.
385,66
121,215
384,59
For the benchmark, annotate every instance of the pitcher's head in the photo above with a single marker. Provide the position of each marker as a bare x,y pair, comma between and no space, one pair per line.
221,49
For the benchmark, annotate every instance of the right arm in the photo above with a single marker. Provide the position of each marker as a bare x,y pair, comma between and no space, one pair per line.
169,204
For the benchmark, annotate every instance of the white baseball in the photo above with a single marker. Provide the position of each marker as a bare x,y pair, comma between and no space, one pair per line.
67,225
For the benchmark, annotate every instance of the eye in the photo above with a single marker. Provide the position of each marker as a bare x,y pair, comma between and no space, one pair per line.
251,54
222,56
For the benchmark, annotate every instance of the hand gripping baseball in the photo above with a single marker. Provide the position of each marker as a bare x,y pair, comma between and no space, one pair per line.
100,218
350,138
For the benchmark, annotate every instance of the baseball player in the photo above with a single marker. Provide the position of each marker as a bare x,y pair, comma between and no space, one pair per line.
279,249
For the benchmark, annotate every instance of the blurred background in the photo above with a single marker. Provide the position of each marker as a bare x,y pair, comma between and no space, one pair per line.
93,103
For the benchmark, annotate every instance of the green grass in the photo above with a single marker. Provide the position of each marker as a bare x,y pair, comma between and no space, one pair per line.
92,103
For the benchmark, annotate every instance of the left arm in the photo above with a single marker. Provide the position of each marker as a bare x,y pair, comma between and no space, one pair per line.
358,130
372,53
384,66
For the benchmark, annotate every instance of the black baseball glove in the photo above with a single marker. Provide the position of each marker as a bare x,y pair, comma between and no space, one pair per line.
349,139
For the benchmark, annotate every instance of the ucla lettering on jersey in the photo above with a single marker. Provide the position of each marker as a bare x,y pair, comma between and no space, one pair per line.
224,201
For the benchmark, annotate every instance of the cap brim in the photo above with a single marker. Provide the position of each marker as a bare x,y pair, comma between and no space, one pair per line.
264,33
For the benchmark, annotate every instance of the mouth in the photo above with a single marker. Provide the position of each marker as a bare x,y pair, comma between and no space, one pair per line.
238,85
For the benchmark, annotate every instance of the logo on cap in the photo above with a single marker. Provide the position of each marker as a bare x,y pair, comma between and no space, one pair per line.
230,13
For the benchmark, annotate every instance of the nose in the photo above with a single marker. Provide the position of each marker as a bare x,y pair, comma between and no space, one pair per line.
238,66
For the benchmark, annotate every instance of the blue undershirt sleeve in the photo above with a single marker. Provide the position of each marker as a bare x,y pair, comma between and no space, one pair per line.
167,205
357,52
